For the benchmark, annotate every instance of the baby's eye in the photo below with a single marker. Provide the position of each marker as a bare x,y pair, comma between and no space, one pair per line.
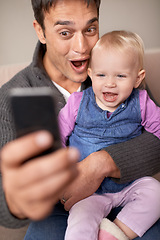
100,75
121,76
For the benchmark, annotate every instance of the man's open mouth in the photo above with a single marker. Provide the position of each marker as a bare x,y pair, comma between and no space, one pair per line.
78,63
79,66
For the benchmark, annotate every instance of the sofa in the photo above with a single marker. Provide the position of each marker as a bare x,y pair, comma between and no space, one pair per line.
152,61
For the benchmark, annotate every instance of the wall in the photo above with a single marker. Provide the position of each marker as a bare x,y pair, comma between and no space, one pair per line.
18,38
140,16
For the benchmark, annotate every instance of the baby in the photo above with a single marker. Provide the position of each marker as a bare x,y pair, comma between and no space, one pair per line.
113,110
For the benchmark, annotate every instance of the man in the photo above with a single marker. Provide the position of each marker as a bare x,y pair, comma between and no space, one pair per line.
67,31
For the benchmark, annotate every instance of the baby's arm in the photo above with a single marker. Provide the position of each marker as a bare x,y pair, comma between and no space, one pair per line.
67,116
150,114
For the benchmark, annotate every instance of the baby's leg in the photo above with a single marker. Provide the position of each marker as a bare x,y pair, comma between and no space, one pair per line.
141,207
85,217
127,231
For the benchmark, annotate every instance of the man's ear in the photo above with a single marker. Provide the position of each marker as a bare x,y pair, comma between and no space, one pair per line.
140,77
39,32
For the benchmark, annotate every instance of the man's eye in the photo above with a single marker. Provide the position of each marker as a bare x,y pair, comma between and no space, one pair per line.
65,34
91,30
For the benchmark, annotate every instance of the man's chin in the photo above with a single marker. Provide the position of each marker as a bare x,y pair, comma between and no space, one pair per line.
80,79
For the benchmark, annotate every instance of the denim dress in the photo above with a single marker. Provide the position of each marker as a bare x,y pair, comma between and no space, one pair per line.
94,130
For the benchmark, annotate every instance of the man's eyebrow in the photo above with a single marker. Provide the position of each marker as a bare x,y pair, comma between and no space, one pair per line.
95,19
72,23
63,23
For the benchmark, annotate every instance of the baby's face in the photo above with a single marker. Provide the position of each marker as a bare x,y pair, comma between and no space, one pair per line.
114,74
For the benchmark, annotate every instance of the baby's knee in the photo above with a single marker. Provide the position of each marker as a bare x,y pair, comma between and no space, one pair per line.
83,207
153,188
151,194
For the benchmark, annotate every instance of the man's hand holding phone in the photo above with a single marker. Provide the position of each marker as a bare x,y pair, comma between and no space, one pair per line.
42,178
32,179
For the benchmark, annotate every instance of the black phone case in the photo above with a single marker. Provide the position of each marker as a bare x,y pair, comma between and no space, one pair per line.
35,109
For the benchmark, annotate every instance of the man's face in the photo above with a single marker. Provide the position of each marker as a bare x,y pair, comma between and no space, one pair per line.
71,31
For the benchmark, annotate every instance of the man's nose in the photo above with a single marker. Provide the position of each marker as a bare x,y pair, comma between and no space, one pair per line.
80,44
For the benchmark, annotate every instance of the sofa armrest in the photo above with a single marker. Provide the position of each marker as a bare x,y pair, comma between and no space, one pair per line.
152,66
8,71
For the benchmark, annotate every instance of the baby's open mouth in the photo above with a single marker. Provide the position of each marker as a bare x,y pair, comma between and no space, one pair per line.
110,97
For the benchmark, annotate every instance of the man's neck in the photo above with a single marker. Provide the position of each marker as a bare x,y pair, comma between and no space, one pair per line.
67,84
59,78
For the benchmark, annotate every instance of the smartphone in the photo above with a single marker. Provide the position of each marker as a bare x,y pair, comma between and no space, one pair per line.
34,109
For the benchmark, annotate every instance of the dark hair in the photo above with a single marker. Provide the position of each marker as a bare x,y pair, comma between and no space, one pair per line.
41,6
